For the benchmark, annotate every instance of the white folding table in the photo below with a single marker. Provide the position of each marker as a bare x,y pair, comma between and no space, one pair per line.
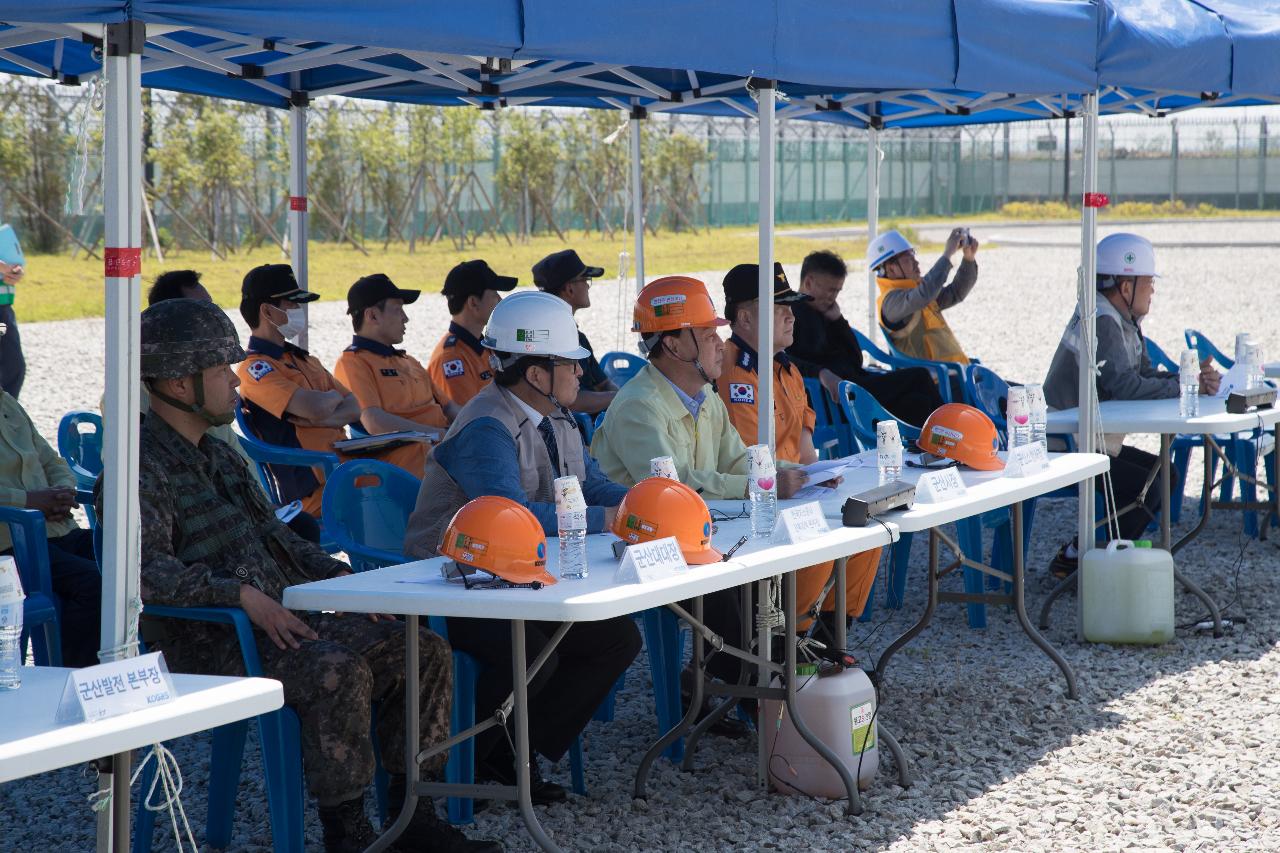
417,589
31,742
1161,417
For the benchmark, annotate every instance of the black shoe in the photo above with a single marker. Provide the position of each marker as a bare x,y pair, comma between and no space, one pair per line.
1062,566
346,828
728,726
426,831
500,768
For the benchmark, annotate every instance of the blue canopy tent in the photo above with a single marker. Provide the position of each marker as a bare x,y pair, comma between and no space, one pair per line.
910,63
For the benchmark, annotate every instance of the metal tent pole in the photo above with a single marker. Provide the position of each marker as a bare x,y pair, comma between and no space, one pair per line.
122,205
298,215
1087,298
764,348
873,223
638,115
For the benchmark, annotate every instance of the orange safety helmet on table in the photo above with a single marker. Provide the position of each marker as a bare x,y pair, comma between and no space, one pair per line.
656,508
963,433
501,537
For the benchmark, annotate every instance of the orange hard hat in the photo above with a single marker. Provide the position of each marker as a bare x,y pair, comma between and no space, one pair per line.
656,508
674,302
501,537
964,434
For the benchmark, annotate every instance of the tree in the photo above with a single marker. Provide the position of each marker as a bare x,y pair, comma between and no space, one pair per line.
672,160
526,176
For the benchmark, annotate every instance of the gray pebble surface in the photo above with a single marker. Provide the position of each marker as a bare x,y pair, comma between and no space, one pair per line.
1169,748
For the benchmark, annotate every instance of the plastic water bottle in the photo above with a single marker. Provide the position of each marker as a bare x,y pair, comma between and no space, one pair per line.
571,521
1018,416
762,488
11,597
1242,340
1189,384
888,451
1039,414
1253,358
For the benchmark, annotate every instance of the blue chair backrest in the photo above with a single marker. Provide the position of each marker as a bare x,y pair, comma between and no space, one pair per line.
586,426
990,395
267,455
1205,348
365,507
80,443
864,412
621,366
869,346
1159,357
826,438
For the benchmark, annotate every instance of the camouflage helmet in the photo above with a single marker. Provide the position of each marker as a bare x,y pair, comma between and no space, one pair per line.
181,337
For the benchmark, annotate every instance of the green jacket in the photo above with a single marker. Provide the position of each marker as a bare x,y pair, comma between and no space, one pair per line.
647,419
27,463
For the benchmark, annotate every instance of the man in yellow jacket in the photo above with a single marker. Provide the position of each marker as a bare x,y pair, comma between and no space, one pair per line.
910,304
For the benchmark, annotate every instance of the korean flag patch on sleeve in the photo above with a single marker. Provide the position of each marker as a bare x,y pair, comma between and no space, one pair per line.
260,369
742,392
453,369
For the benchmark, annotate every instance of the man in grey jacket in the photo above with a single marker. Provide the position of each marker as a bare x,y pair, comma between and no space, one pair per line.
1126,283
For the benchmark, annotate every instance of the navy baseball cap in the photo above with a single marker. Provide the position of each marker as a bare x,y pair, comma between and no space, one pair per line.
271,283
473,278
372,289
559,268
742,284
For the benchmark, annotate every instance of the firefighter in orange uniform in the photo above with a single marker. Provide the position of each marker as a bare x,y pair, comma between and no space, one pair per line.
459,366
395,392
794,416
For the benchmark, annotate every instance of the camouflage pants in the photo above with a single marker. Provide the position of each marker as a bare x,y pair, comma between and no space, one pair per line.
330,683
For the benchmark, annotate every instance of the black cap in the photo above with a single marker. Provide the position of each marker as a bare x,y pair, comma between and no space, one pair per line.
559,268
271,283
742,284
473,278
372,289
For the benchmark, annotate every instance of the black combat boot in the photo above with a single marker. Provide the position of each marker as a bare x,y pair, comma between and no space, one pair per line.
427,832
346,828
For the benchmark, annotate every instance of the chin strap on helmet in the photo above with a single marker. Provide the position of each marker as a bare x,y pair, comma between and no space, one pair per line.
196,408
695,361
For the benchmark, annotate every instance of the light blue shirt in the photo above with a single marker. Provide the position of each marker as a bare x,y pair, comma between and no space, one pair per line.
693,404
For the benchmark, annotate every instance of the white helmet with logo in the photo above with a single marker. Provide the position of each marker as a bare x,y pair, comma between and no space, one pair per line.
885,246
1126,256
533,323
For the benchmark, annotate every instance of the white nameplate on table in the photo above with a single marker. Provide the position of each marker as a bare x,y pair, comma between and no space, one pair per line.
798,524
651,561
110,689
938,486
1027,460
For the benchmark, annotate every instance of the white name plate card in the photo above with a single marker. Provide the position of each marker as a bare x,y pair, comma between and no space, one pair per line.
651,561
1026,461
119,687
798,524
937,486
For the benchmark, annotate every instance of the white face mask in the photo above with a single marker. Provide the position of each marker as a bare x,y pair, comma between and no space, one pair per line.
296,322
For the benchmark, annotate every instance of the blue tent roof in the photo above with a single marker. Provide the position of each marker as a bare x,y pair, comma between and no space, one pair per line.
910,63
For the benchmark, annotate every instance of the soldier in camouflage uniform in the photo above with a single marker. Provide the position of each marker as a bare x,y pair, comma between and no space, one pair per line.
210,539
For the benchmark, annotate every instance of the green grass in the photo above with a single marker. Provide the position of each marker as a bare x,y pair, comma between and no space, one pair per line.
59,288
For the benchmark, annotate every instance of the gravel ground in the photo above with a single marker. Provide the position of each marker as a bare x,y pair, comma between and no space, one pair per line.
1169,748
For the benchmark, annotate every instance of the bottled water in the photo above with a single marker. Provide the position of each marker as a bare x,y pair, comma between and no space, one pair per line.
888,451
1018,417
762,488
1253,357
11,596
1189,384
1039,414
10,646
571,521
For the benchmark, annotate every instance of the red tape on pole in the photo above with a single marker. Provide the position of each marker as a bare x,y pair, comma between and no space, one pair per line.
298,202
122,262
1096,200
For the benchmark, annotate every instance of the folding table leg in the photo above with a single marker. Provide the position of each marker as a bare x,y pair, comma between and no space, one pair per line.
519,677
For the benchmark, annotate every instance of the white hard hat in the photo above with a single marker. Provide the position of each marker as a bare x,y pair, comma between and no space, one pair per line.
533,323
1126,255
885,246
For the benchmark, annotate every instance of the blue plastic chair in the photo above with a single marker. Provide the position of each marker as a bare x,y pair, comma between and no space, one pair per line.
894,359
1205,349
366,505
586,425
955,370
621,366
825,439
80,444
990,395
41,607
